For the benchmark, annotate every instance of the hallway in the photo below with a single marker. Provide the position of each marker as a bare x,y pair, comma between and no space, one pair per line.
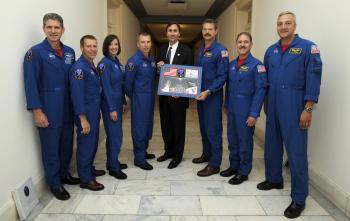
179,194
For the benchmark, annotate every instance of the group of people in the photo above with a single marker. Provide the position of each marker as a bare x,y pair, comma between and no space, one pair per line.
61,90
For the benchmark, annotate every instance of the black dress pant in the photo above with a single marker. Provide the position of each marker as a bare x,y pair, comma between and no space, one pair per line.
173,123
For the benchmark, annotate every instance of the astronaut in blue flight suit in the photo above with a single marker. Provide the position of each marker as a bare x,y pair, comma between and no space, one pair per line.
46,80
294,70
139,87
86,90
213,58
245,92
112,79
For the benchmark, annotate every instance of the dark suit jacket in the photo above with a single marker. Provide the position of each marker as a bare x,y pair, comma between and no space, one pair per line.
182,56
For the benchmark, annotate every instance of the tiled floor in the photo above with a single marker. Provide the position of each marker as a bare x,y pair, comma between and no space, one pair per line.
178,194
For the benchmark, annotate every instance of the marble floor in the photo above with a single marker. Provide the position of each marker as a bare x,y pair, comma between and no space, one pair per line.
179,194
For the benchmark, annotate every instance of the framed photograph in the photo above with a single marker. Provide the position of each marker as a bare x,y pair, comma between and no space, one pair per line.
180,81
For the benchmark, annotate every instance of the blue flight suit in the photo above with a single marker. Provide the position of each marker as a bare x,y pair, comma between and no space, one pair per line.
294,78
214,62
86,90
112,79
46,80
245,92
139,86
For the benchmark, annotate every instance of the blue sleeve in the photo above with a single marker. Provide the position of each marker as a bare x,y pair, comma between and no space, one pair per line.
313,73
260,80
227,92
31,66
130,72
77,85
105,72
221,73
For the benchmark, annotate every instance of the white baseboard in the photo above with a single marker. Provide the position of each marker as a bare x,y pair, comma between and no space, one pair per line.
9,212
330,190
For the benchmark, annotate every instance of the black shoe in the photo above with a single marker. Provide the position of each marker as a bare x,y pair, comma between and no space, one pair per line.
266,185
228,172
146,166
201,159
118,174
294,210
92,185
123,166
173,164
150,156
238,179
162,158
70,180
98,172
60,193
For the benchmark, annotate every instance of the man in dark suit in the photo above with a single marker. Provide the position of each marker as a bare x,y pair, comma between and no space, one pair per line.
173,109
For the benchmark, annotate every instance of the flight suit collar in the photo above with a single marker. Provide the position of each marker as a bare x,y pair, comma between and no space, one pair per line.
210,47
113,59
49,48
142,56
295,41
87,63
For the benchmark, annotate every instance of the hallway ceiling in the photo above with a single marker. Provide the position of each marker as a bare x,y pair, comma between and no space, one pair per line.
155,14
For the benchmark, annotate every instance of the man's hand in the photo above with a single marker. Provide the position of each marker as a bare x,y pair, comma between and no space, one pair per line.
84,124
40,118
159,64
203,95
305,120
251,121
113,116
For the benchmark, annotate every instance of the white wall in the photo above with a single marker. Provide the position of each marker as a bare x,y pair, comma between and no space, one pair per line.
123,23
21,23
326,23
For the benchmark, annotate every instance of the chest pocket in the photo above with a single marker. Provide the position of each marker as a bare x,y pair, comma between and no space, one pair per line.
52,60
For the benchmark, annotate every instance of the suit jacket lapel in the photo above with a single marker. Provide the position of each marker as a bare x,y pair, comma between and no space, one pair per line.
177,54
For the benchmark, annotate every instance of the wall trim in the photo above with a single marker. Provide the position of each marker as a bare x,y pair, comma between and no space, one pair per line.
329,189
9,212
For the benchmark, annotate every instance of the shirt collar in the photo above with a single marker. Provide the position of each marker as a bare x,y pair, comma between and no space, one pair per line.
174,46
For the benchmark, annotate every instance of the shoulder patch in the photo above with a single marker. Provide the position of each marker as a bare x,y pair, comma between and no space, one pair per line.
29,55
224,53
130,66
79,74
101,67
315,49
261,68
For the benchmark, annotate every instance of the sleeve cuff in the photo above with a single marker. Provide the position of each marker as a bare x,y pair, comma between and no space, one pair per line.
311,98
254,114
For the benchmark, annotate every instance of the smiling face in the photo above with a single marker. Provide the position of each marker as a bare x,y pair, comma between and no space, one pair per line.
173,34
53,30
89,49
144,44
243,45
286,26
113,48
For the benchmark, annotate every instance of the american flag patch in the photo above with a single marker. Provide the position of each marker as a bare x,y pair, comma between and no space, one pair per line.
261,68
315,49
224,53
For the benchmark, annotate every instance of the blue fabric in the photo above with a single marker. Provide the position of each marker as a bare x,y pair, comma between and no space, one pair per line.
139,86
214,62
245,92
112,78
46,81
86,97
294,77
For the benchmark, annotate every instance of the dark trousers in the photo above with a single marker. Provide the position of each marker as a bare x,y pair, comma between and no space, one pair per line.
173,123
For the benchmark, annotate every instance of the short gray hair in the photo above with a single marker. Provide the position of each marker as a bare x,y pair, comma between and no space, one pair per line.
288,13
52,16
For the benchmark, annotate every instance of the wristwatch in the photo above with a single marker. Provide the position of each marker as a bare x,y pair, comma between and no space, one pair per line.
308,109
209,92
